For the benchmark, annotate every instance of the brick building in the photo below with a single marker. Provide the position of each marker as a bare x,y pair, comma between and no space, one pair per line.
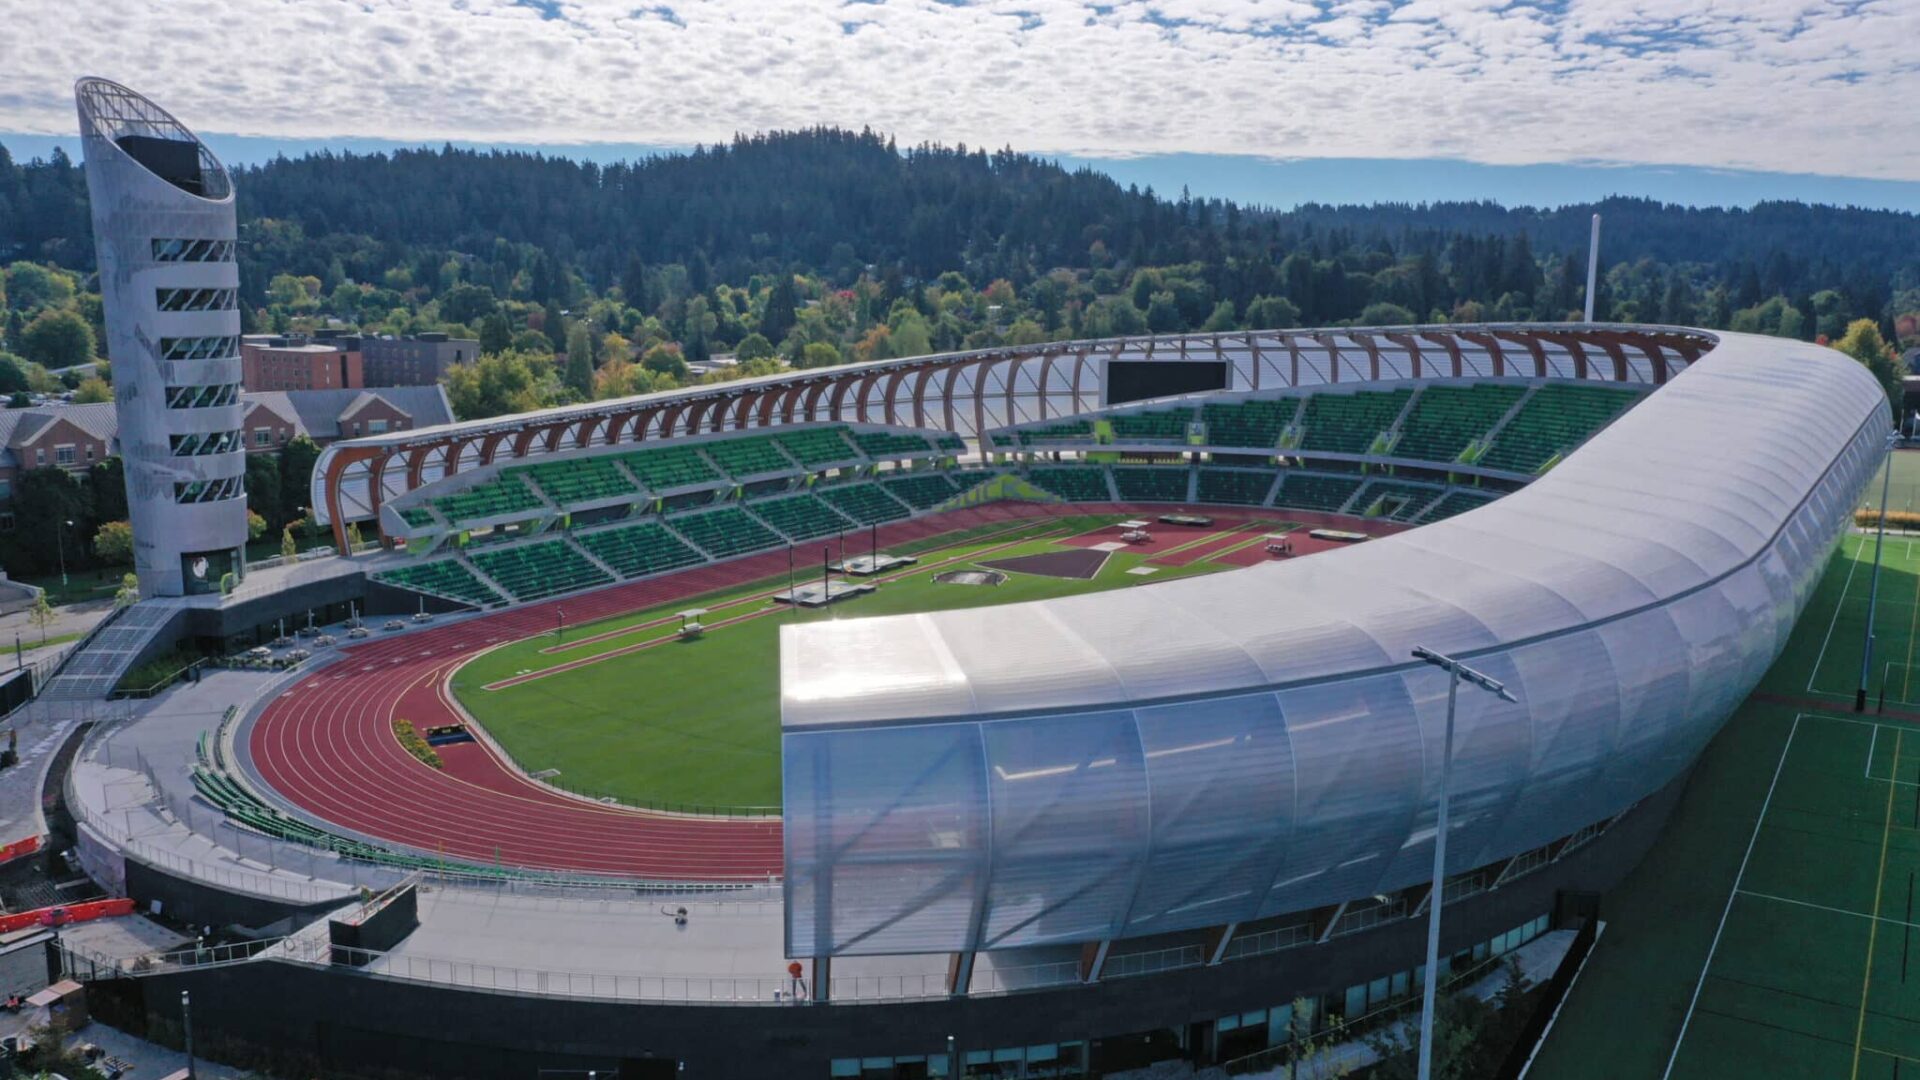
281,363
413,361
74,437
71,437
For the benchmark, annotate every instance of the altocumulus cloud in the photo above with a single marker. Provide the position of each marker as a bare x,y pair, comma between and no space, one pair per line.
1784,85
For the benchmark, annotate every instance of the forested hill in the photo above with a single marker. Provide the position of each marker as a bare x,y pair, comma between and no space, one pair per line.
837,202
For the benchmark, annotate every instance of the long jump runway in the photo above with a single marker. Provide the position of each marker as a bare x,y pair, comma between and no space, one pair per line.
327,744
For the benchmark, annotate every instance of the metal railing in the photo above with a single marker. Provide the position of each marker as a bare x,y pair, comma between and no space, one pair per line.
1131,965
1014,980
1276,940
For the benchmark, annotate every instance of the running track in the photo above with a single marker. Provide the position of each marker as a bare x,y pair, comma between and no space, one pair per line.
326,744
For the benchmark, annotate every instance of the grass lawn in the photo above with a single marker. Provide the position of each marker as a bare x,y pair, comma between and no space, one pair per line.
698,722
1771,930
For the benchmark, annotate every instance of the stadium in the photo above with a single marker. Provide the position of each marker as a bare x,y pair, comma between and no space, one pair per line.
895,719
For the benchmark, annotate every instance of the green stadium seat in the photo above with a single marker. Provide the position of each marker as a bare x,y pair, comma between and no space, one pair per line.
1317,491
1070,431
881,445
952,444
637,550
1557,418
1151,485
922,491
866,504
497,497
1457,501
747,457
1398,501
1348,423
1160,425
725,532
1074,483
669,467
1445,420
1242,487
1249,423
815,447
532,571
579,480
419,517
442,577
799,517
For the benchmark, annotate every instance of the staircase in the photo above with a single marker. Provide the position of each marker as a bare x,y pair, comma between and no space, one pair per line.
93,669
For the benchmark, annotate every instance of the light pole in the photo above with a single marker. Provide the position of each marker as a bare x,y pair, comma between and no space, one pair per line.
1873,590
186,1028
60,542
1456,671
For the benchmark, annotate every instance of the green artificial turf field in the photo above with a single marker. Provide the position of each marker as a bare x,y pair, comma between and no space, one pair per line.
697,723
1771,930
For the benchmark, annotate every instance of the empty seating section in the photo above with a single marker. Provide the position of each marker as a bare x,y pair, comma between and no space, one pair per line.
417,516
865,503
726,532
747,457
633,550
1348,423
578,480
1074,483
952,443
669,467
1160,425
1316,491
1445,419
1151,485
1557,418
1071,431
1238,486
800,517
442,577
890,444
817,446
498,496
1398,502
921,491
1249,423
968,479
1457,501
532,571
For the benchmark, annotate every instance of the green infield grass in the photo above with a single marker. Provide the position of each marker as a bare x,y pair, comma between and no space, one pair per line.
696,723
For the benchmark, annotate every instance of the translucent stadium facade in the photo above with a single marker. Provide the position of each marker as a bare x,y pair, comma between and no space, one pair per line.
163,226
1220,749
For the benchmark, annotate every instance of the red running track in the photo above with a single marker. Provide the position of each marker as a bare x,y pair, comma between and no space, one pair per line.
326,744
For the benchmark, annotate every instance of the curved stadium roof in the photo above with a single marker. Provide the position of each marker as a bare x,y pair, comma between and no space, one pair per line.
1230,747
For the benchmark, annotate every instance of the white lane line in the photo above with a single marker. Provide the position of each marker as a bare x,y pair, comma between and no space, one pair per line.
1871,743
1694,1002
1824,907
1839,606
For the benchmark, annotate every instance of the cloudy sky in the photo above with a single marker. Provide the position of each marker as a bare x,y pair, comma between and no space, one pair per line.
1777,86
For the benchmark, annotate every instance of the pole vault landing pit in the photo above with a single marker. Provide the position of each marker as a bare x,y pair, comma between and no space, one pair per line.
816,594
1080,563
868,565
970,577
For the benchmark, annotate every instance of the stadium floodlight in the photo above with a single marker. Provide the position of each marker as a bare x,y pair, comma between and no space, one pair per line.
1456,673
1873,590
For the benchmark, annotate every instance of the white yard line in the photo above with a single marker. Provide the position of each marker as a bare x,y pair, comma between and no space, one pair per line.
1840,605
1701,983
